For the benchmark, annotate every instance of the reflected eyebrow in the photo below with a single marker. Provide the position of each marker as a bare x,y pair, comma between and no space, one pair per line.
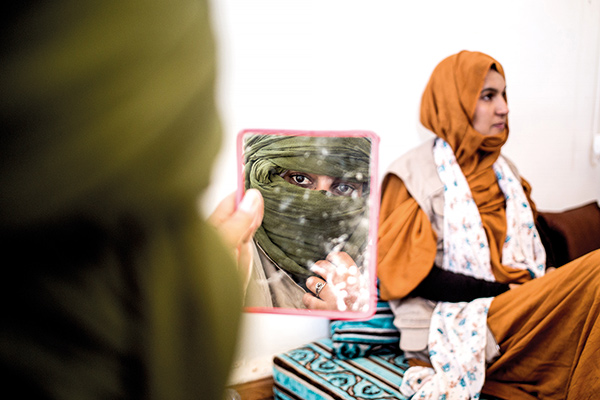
347,182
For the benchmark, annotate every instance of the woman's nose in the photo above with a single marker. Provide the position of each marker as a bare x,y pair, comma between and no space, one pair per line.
502,107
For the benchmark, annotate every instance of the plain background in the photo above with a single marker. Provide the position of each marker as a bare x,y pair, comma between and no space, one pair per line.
348,64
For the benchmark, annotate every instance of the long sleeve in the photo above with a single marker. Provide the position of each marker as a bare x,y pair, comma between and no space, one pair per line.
407,242
441,285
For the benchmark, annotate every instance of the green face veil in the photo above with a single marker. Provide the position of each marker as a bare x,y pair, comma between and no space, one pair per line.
300,225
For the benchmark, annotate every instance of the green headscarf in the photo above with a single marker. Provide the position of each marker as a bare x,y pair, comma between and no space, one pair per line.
112,287
301,226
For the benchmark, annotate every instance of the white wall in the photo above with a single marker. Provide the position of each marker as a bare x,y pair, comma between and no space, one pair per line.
344,64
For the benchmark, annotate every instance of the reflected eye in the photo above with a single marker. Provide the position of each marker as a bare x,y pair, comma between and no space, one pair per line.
298,179
346,189
323,182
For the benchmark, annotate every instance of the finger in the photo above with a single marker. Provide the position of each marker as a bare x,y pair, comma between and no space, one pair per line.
245,262
327,299
311,284
323,268
312,303
326,293
345,267
341,272
239,227
336,281
253,204
340,257
343,261
223,211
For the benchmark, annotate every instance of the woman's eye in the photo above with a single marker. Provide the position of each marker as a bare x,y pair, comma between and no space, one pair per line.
490,94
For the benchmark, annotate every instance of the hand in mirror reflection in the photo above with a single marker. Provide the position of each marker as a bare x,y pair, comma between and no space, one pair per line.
316,193
339,286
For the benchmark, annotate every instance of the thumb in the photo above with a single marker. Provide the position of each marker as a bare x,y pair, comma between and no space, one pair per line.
244,221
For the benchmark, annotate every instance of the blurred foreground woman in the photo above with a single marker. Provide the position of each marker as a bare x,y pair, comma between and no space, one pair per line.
112,287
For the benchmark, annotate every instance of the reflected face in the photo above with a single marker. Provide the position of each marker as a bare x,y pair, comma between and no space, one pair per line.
491,111
317,204
333,185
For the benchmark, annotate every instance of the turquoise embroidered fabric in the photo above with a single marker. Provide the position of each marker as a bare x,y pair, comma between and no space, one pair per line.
312,372
360,338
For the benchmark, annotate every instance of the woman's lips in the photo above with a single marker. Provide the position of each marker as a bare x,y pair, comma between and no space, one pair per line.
499,125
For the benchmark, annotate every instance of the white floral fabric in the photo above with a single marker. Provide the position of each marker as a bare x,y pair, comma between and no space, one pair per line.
457,353
457,333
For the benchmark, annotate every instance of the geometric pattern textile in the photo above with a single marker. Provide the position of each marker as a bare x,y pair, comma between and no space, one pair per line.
361,338
312,372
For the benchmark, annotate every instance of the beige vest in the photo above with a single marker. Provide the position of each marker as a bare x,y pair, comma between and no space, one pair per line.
418,172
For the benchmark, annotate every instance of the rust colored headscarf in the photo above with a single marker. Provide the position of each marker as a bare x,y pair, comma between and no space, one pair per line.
407,243
448,105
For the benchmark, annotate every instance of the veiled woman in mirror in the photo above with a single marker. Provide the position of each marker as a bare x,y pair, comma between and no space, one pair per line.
310,251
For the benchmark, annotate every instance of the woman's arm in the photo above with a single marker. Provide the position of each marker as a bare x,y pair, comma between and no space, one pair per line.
407,248
441,285
406,245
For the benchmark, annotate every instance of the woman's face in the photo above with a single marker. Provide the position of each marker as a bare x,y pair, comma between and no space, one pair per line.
491,110
335,186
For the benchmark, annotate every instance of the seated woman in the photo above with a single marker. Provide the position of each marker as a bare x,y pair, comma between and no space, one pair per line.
311,245
456,233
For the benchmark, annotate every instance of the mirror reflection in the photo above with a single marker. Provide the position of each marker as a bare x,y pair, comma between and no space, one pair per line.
312,250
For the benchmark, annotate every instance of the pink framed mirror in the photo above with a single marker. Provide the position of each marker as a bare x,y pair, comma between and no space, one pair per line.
315,252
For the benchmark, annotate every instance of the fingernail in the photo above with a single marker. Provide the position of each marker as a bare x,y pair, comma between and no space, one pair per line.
249,202
316,269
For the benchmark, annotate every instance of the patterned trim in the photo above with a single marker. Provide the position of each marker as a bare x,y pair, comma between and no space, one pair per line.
354,339
312,372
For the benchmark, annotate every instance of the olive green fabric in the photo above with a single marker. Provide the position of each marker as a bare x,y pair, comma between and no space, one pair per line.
301,226
113,286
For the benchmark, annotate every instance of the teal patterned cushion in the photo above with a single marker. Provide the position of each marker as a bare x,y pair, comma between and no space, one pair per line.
360,338
313,372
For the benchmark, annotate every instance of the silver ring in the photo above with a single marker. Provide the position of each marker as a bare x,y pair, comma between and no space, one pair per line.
318,287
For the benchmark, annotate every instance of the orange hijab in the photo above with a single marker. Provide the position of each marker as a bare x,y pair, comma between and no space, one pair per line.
407,241
448,105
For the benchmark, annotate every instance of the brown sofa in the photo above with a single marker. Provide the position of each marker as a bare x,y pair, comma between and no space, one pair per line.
571,233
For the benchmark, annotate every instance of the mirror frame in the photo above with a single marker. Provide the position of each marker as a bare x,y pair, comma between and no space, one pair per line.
373,203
